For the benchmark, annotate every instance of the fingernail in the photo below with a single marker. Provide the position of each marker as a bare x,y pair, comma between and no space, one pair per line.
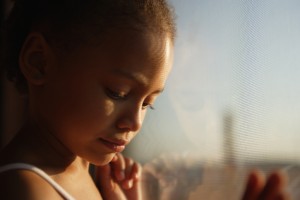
115,158
129,184
120,176
136,176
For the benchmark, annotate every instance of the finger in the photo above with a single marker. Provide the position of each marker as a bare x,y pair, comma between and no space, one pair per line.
115,158
133,170
274,186
103,178
128,169
135,191
136,172
130,173
283,196
118,167
106,185
255,184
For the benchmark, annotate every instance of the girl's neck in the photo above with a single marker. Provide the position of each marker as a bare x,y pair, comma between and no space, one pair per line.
40,147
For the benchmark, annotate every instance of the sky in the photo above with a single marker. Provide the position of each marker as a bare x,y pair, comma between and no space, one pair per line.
235,75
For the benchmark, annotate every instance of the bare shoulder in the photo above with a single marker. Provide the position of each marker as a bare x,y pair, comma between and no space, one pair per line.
23,184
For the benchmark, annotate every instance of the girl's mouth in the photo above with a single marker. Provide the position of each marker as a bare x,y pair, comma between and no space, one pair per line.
115,145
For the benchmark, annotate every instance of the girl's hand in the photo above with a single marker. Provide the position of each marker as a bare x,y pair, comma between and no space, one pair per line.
120,179
271,189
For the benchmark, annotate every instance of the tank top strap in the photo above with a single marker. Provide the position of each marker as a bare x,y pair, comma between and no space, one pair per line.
41,173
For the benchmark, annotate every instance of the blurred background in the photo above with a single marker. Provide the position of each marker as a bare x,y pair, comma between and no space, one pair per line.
233,97
232,101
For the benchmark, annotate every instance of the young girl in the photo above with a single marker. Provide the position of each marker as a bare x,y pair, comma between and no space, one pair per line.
90,70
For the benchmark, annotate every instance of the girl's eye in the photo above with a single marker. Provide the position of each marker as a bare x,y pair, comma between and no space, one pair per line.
116,95
147,105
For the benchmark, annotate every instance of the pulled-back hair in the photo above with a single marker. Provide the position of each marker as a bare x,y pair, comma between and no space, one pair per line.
70,23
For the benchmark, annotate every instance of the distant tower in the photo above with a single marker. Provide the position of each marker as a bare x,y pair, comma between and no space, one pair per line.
228,138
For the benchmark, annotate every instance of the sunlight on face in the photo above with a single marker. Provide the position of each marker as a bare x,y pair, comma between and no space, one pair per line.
108,107
98,95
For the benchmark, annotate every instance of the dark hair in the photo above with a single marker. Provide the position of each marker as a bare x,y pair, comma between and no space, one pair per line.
73,22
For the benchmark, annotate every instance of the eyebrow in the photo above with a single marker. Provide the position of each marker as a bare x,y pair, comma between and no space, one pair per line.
139,78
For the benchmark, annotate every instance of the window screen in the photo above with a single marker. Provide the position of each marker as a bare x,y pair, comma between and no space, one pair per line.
232,100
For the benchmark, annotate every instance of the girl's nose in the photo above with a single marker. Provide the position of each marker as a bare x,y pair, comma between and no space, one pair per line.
131,120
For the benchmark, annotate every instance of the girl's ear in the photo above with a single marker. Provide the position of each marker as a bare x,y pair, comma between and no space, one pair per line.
34,59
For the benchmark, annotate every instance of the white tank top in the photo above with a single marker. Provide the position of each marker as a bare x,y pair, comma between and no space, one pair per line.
41,173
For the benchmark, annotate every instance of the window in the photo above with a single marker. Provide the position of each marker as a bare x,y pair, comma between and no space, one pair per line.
232,101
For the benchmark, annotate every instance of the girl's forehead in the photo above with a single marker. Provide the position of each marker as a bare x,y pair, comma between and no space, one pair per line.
131,38
129,45
154,46
114,40
127,49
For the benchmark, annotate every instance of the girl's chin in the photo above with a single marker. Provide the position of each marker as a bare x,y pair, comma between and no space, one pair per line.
103,159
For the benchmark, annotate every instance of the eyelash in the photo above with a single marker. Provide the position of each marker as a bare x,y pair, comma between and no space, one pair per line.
146,105
118,96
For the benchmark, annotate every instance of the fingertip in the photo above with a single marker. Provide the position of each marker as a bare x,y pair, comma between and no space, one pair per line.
278,180
128,161
120,175
115,158
136,176
129,169
118,167
128,184
139,167
136,171
257,178
282,177
255,183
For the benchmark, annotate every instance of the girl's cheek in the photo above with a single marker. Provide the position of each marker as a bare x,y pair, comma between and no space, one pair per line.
143,117
108,107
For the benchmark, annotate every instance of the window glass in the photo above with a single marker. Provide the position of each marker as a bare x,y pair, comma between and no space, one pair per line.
232,100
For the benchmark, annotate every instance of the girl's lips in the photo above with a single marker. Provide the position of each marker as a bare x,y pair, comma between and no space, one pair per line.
116,145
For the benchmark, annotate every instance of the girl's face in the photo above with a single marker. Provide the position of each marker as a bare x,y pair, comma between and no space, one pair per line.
95,98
